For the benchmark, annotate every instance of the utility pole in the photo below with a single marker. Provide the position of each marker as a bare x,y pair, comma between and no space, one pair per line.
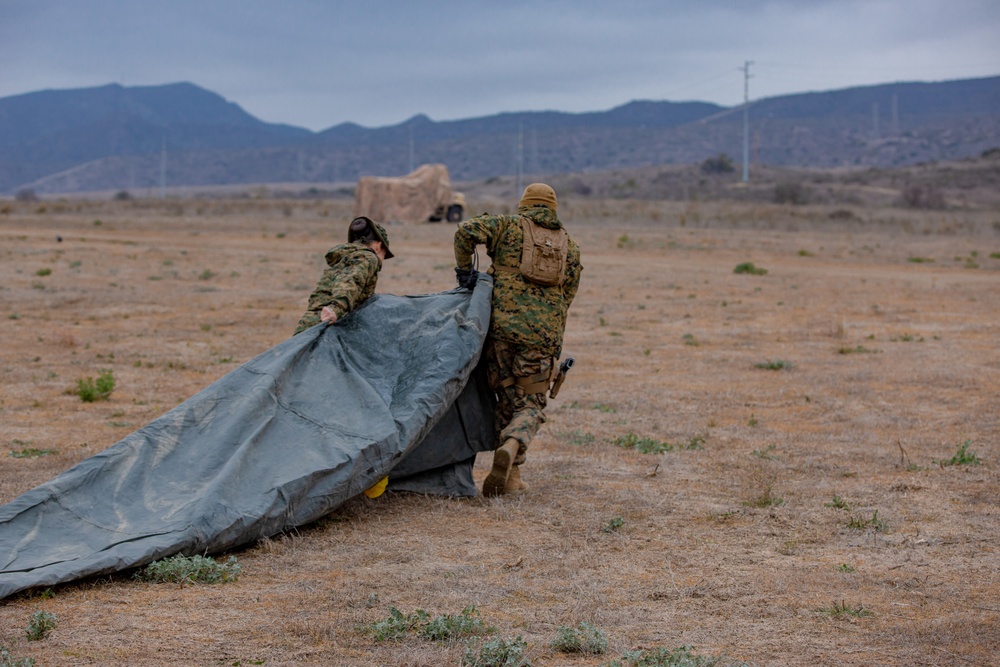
746,119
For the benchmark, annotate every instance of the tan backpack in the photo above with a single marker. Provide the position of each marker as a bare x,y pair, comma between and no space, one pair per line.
543,257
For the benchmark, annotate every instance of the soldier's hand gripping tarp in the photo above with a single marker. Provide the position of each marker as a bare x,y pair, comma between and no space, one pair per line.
393,389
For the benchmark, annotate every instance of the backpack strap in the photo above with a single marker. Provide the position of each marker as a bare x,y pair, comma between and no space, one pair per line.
505,269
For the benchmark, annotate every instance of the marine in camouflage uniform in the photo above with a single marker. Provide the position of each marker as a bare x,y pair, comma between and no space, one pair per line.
351,275
526,327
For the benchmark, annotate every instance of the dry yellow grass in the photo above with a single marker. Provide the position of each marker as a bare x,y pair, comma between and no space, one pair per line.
894,364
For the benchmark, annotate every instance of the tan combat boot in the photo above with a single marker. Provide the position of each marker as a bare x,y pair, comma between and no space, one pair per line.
514,482
495,483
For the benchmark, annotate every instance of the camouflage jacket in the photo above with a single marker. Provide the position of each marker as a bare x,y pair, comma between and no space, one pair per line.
349,280
523,312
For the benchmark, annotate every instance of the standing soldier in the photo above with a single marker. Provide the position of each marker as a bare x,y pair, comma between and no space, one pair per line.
351,275
536,269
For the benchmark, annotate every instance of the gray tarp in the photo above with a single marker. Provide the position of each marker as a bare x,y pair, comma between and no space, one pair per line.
393,389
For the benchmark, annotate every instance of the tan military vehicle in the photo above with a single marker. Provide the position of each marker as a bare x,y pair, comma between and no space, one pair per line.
423,195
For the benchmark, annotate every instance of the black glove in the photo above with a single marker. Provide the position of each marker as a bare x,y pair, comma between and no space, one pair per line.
466,278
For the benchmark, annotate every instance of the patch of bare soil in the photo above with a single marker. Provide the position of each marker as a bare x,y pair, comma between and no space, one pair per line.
804,513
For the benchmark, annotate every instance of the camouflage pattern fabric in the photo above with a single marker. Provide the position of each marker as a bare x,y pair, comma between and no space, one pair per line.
349,280
524,313
517,415
527,321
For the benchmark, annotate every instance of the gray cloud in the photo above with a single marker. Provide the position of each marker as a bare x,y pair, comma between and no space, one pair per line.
317,64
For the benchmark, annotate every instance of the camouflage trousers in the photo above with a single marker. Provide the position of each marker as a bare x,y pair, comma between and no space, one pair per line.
518,415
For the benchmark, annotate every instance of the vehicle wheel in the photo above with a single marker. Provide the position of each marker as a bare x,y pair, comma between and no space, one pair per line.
454,213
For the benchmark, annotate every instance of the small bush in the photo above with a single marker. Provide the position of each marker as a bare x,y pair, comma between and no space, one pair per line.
748,267
839,503
720,164
682,656
613,525
860,349
776,365
40,625
765,499
584,638
875,523
189,570
398,625
840,610
90,390
8,660
447,627
643,444
962,457
497,653
767,452
31,453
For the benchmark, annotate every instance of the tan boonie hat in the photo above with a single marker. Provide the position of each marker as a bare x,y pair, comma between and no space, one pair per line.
362,226
539,194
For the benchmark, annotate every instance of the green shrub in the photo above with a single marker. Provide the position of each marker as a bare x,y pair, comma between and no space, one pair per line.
748,267
664,657
497,653
31,453
190,569
643,444
398,625
875,523
776,365
90,390
962,457
40,625
613,525
446,627
584,638
860,349
839,503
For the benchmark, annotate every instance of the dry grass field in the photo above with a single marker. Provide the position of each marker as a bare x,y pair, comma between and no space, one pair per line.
822,489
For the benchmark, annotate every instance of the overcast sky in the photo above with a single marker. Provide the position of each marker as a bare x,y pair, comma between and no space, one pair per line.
318,63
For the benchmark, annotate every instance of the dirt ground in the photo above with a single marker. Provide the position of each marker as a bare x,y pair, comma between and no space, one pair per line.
806,514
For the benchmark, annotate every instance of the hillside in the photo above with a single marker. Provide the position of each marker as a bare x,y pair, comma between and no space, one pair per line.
115,138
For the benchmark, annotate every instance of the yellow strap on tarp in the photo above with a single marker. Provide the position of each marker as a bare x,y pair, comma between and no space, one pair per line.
378,488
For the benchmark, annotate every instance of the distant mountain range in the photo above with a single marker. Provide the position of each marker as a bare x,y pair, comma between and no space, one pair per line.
114,138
